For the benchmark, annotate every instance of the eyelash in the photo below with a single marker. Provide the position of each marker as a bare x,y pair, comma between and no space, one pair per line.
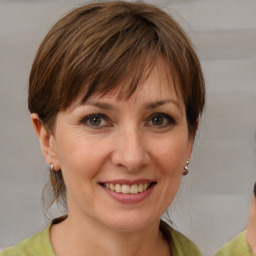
167,120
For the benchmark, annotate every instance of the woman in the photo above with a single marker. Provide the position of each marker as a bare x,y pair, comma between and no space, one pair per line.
115,93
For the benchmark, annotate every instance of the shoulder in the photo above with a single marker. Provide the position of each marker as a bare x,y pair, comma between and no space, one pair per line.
183,245
38,244
238,246
180,244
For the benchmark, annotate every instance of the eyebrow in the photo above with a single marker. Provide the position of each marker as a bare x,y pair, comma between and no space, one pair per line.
160,103
100,105
151,105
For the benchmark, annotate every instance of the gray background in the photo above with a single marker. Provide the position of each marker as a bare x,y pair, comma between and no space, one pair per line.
212,205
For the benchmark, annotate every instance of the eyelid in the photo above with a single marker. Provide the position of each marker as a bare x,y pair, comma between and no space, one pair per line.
88,116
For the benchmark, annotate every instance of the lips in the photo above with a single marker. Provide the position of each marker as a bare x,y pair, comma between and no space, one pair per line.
128,192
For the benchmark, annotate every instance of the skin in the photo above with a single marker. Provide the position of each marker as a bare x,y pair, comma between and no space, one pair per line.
132,141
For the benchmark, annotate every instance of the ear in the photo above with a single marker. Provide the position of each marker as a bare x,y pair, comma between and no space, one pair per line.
47,141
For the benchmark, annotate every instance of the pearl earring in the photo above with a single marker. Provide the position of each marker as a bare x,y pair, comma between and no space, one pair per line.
186,168
51,167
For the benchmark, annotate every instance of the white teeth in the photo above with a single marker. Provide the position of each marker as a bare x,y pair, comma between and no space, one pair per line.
118,188
127,189
112,187
141,188
134,189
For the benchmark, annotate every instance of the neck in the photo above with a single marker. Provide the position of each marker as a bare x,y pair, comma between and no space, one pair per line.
78,236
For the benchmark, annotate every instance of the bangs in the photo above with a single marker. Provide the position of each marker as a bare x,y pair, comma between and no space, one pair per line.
124,82
117,62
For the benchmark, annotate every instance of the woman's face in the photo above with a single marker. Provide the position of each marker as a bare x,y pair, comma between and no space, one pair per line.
122,160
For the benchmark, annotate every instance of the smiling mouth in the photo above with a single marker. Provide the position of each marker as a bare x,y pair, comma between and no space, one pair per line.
128,189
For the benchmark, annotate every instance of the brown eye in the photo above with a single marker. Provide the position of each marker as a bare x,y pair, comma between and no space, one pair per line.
95,121
160,120
157,120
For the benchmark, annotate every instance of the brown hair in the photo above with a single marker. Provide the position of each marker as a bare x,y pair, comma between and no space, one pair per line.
95,48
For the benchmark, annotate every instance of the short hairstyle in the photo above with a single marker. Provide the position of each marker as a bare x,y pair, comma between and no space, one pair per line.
102,46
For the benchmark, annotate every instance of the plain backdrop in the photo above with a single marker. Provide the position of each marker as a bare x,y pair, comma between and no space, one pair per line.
212,204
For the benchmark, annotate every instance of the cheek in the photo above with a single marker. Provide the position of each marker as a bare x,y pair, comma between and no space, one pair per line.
80,158
171,156
171,168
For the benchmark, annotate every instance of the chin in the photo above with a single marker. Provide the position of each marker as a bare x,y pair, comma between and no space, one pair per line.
131,221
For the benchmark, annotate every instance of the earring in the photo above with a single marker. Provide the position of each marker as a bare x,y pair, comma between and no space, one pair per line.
186,168
51,167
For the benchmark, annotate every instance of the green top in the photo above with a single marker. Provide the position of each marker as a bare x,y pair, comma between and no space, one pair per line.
238,246
36,245
40,245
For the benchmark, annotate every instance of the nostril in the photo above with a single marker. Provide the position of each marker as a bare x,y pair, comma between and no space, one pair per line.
129,160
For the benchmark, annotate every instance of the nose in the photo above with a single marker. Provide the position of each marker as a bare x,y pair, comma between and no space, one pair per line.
130,150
